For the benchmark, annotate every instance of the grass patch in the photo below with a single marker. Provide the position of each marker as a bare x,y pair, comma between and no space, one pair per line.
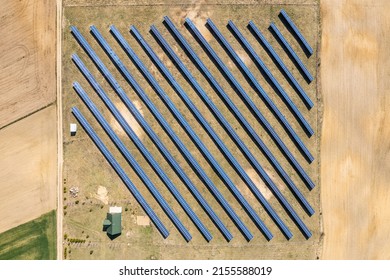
35,240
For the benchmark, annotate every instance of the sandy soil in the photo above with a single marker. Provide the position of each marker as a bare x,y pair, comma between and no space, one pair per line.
356,131
258,182
143,221
28,166
129,119
102,194
27,52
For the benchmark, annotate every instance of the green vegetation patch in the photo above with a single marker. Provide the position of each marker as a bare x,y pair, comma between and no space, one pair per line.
35,240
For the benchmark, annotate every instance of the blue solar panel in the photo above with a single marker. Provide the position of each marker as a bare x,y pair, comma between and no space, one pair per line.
292,53
283,66
235,164
290,104
175,111
118,169
159,116
302,41
232,133
201,173
253,108
263,94
148,155
145,179
250,130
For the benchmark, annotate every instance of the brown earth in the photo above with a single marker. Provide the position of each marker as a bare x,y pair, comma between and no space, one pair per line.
28,121
355,148
27,58
28,167
129,119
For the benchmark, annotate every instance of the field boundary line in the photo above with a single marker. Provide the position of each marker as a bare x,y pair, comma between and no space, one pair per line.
28,115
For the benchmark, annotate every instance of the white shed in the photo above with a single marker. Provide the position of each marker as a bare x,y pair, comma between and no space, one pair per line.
73,129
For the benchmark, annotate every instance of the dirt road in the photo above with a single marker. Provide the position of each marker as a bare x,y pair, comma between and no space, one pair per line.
355,147
59,134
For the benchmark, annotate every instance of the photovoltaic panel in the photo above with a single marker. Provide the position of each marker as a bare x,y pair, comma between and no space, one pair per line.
121,173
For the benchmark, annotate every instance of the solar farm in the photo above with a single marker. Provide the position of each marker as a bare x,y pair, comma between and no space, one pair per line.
203,120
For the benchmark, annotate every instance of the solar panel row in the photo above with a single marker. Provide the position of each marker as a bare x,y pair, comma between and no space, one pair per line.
252,106
260,90
145,152
301,119
118,169
235,164
237,140
145,179
183,122
280,63
202,148
250,130
307,48
292,53
174,136
229,210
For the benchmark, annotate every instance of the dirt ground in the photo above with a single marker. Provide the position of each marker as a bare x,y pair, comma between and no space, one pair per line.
27,58
28,166
355,148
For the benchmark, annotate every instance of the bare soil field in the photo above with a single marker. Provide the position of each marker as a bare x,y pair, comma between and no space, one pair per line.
27,58
85,168
28,123
355,148
28,167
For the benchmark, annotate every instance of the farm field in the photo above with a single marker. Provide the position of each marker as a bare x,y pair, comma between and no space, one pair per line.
28,130
86,170
34,240
28,168
27,58
356,130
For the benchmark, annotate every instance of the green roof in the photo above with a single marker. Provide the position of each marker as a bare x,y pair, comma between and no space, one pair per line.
116,223
106,223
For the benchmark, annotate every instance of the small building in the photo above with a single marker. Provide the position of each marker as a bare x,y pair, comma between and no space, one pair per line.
73,129
113,222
